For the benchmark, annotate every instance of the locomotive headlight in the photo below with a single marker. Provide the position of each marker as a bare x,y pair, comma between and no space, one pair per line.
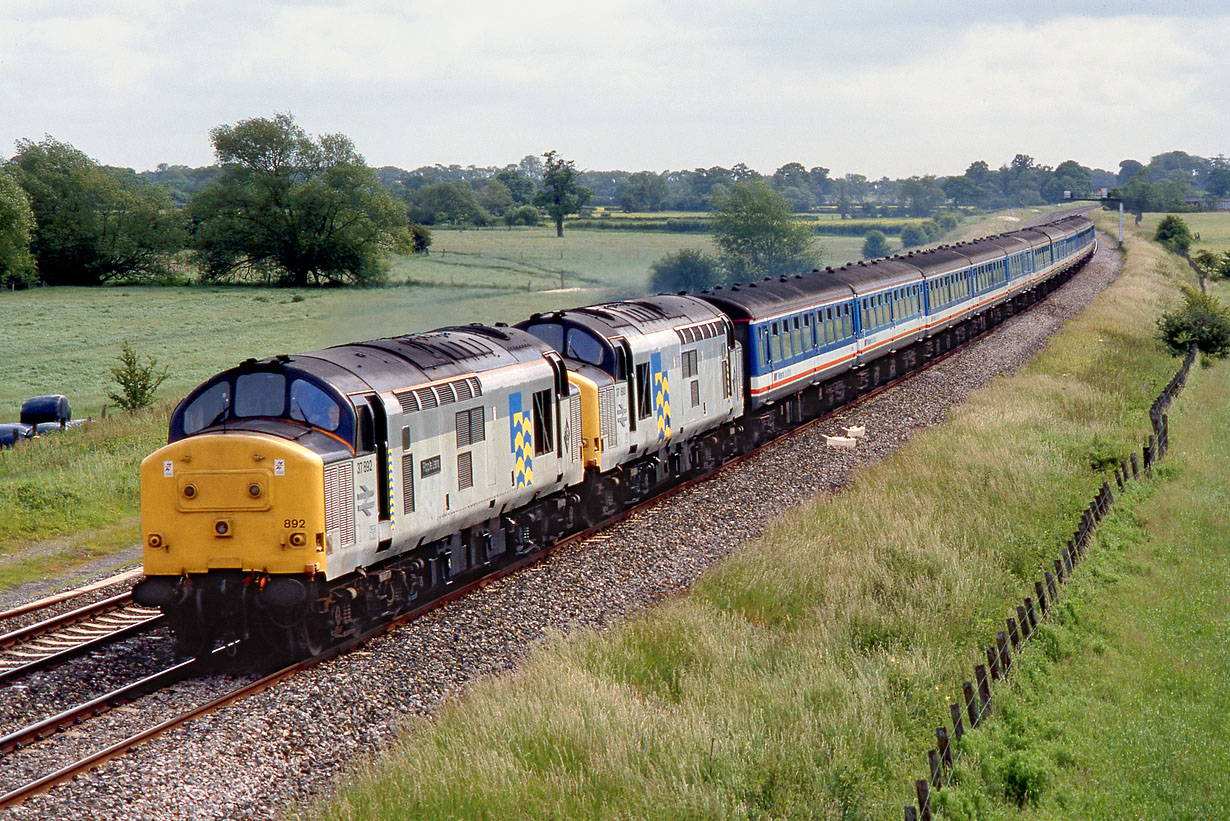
222,527
298,539
254,490
190,491
154,540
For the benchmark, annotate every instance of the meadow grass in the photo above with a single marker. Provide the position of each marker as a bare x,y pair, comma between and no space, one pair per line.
802,677
1122,701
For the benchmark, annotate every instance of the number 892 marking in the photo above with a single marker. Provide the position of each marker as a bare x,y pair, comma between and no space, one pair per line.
294,523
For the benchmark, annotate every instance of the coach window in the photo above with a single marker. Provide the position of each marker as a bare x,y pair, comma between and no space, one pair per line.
775,343
809,334
798,336
544,427
787,349
762,337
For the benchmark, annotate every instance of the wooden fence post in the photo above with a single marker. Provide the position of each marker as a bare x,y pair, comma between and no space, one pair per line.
1041,593
993,662
937,775
971,707
911,813
984,690
1050,583
941,738
924,799
1135,466
1013,632
958,728
1059,570
1005,657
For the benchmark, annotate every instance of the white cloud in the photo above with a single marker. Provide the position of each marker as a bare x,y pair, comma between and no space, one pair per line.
879,88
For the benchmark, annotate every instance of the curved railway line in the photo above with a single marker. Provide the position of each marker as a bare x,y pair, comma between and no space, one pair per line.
80,715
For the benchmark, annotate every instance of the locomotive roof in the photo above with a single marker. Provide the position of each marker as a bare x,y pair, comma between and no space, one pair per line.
665,311
404,361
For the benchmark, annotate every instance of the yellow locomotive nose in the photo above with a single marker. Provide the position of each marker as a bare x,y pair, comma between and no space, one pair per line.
233,501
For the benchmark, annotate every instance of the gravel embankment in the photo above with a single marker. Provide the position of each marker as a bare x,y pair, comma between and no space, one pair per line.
293,742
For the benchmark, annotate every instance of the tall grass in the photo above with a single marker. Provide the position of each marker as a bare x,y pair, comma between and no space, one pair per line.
801,678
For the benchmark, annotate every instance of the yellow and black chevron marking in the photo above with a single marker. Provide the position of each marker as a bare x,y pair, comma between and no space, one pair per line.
392,496
661,398
522,436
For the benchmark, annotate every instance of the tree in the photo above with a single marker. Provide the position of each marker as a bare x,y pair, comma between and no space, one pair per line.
913,235
452,203
876,245
92,224
1173,233
687,270
1202,321
642,191
16,231
137,380
1129,169
757,235
924,195
560,194
293,209
519,186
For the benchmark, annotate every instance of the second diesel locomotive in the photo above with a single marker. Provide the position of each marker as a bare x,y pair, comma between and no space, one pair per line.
304,497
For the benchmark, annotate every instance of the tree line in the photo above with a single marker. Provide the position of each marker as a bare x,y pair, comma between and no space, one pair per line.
283,207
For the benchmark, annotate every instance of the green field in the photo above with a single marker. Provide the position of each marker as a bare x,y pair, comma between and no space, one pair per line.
804,676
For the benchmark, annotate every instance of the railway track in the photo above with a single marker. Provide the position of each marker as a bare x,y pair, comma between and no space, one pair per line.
59,638
14,613
45,729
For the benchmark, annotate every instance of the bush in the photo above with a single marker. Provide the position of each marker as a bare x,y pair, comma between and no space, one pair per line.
524,215
1173,233
913,236
137,381
1202,321
687,270
876,245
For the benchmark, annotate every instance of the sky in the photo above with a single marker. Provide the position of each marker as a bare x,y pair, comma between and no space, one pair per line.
878,87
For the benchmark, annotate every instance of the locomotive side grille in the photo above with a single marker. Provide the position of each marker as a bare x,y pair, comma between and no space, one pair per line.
576,427
463,390
606,409
476,387
407,483
339,507
465,471
695,393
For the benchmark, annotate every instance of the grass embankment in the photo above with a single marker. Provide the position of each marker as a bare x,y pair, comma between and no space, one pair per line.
1122,704
804,676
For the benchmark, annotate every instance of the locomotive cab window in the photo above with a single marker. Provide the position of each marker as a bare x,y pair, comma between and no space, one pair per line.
310,404
260,394
209,408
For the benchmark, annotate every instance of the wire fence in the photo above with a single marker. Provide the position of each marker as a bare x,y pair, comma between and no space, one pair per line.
976,701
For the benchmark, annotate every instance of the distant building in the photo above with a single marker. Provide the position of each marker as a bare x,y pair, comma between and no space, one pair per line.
1209,203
